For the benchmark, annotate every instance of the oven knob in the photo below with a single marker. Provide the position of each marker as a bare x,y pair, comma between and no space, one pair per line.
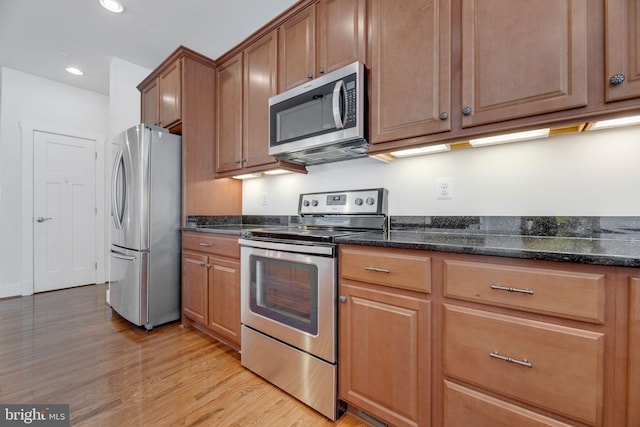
314,203
358,201
370,201
305,203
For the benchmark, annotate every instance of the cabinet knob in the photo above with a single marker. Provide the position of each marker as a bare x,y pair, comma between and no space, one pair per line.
342,299
310,75
202,264
443,116
209,266
616,79
244,160
321,70
237,161
466,111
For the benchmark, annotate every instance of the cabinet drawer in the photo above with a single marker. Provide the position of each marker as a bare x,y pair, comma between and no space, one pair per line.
565,374
464,407
399,268
220,245
569,294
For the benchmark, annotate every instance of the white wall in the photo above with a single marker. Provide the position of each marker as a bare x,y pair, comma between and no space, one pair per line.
595,173
124,97
27,98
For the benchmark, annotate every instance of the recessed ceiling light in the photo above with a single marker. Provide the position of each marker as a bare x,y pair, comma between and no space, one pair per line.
75,71
112,6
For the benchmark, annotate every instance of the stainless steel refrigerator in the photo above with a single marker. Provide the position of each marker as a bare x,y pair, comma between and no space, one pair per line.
146,200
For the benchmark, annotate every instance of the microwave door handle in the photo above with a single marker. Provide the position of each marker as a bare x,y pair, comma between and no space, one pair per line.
338,93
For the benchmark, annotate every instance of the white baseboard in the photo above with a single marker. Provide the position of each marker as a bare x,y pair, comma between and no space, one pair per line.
10,290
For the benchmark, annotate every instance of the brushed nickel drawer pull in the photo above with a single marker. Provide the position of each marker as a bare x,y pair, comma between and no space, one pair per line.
524,362
508,289
205,245
377,270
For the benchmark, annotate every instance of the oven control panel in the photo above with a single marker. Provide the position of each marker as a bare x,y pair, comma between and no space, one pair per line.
362,202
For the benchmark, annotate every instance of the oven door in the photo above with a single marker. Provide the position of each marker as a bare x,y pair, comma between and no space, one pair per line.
290,296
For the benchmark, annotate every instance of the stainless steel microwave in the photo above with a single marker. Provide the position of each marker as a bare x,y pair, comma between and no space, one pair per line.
321,121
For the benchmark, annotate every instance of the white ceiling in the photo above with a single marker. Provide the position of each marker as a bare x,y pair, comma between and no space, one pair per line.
35,35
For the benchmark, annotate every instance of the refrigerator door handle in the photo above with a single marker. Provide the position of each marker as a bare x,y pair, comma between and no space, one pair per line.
115,209
120,255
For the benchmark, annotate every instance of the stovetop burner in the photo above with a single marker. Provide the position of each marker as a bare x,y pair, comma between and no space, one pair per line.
301,234
329,215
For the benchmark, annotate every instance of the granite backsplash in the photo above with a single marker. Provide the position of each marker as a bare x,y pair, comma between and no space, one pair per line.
627,228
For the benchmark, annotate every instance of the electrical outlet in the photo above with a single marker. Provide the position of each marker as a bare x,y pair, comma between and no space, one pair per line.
444,188
265,199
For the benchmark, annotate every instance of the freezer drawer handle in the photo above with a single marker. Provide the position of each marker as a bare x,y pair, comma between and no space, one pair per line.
122,256
524,362
508,289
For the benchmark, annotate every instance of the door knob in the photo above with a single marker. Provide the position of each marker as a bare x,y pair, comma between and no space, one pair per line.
43,219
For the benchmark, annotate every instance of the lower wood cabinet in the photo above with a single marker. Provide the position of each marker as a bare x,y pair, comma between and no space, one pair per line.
467,407
440,339
385,340
553,367
211,285
633,379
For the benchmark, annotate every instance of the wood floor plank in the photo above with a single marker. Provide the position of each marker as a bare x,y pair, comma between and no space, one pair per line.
69,347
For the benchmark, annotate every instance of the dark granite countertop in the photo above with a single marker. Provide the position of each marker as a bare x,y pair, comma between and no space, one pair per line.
233,229
613,241
614,252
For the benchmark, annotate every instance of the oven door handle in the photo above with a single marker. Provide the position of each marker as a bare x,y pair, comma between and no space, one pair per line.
313,249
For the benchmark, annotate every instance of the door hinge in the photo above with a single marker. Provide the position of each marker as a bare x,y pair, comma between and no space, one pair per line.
96,209
96,265
95,155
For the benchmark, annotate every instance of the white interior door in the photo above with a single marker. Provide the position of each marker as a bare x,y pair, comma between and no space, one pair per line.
64,208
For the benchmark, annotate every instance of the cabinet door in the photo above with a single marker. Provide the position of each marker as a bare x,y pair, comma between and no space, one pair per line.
224,298
633,380
522,58
151,104
260,83
341,31
622,34
296,38
229,115
194,286
170,95
384,354
410,68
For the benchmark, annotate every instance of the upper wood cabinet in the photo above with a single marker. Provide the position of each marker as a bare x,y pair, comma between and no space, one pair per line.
180,94
245,82
260,83
321,38
522,58
161,97
229,115
410,63
622,32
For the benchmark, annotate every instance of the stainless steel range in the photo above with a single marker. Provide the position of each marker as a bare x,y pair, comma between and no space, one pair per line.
289,293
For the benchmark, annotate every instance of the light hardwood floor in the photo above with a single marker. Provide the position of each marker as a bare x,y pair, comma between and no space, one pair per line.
69,347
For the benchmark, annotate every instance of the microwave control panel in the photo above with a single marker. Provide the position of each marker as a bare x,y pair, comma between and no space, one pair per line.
373,202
